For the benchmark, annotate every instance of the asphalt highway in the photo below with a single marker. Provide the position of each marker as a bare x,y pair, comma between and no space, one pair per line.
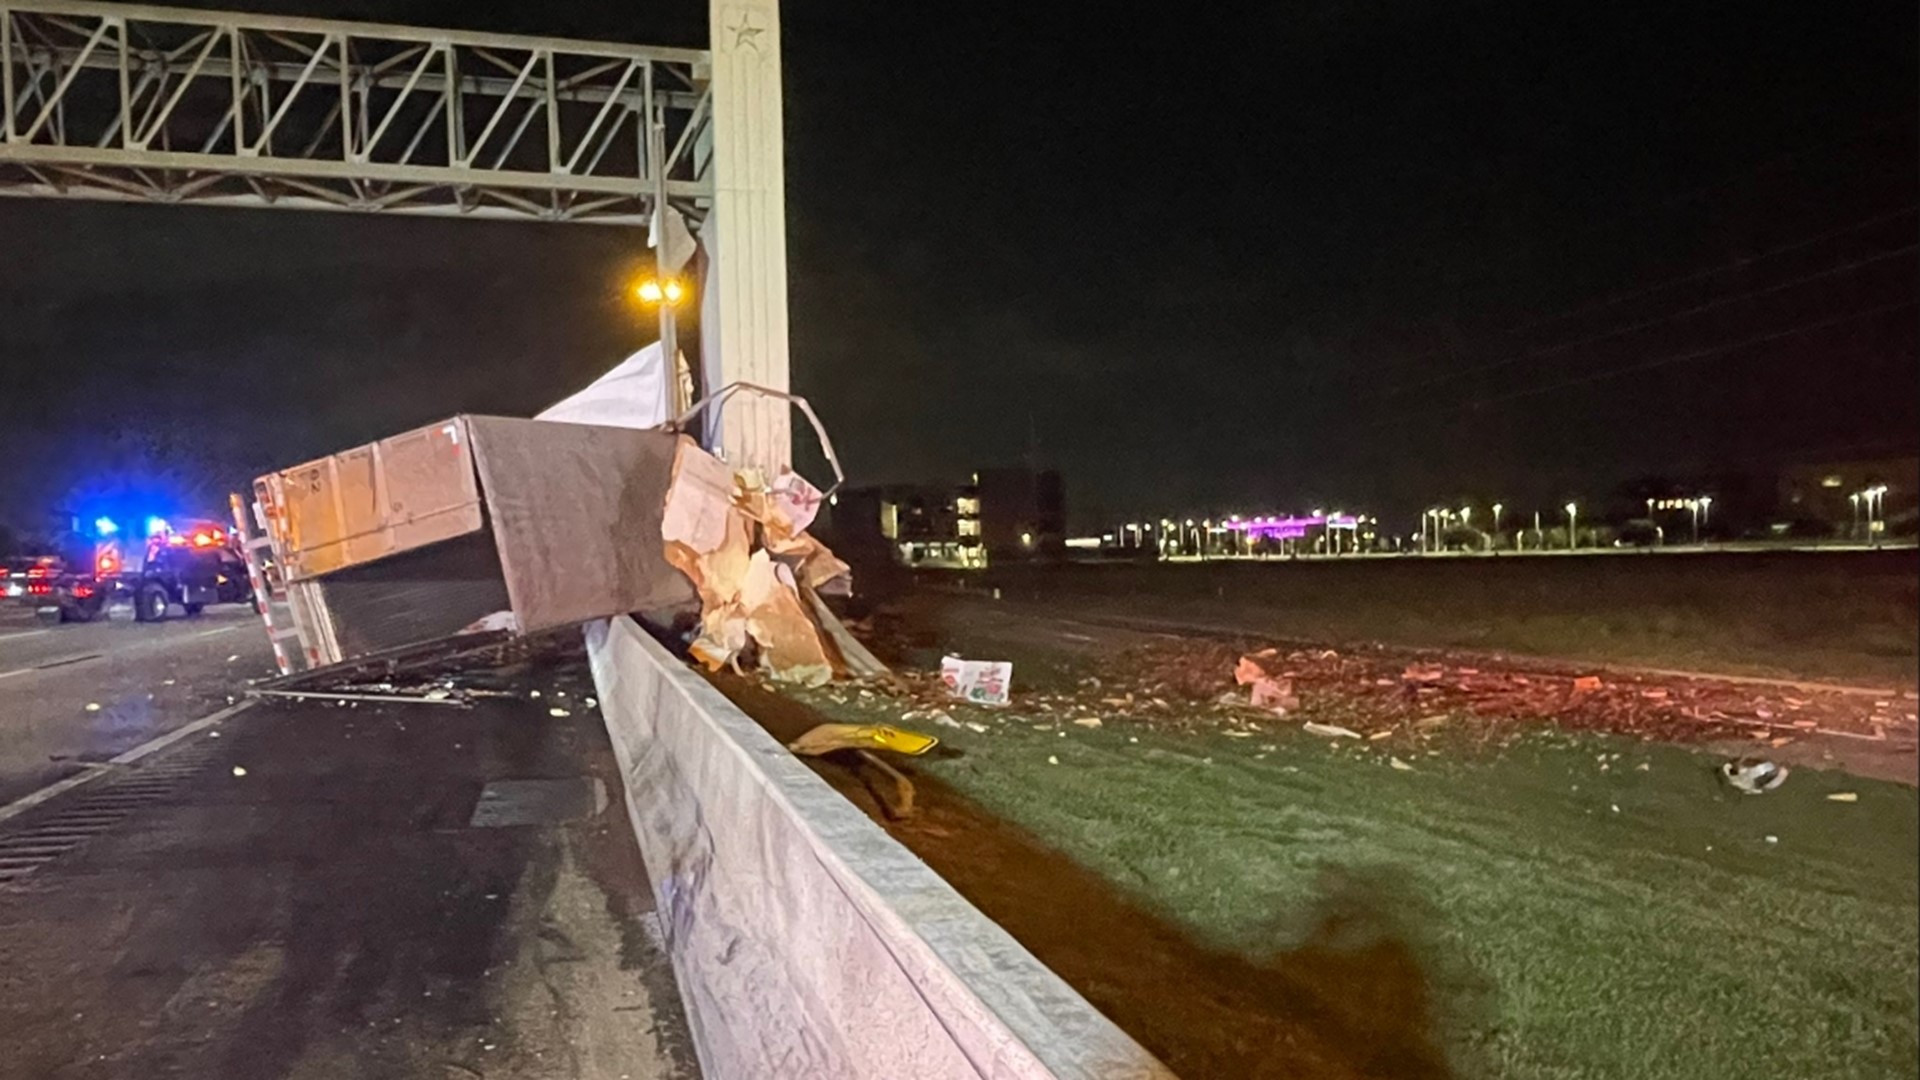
312,888
74,695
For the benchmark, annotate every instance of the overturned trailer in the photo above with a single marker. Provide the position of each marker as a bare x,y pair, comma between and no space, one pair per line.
473,525
805,941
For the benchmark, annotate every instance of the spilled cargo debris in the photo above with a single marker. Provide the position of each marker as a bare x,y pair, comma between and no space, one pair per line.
742,542
982,682
1754,776
1269,691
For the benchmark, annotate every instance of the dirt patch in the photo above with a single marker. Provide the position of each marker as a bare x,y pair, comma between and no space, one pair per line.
1410,698
1356,997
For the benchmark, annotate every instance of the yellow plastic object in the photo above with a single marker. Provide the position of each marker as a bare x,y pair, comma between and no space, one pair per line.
830,737
910,743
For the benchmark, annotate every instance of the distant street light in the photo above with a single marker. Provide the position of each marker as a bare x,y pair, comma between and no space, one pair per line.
1876,509
1853,527
1699,507
1496,521
1573,526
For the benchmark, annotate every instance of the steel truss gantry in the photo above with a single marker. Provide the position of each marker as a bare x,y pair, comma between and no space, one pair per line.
168,105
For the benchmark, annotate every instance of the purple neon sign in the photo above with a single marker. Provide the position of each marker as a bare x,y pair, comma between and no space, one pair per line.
1291,528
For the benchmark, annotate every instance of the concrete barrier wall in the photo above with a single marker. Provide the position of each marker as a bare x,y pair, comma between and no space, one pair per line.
806,941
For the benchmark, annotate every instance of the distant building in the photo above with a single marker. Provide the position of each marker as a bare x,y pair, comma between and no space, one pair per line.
933,525
1023,513
1836,493
1000,514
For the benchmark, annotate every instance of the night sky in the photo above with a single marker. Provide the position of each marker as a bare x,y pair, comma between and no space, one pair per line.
1254,257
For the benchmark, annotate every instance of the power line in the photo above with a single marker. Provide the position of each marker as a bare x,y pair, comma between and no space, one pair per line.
1770,163
1738,263
1696,354
1711,271
1656,362
1550,350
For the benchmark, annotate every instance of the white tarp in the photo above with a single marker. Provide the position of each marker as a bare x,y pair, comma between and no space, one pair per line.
635,394
806,941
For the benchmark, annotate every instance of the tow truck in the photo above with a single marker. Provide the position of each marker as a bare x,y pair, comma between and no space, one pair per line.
190,568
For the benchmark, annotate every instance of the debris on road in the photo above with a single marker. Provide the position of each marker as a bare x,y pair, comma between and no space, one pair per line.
1400,765
384,693
1754,776
742,542
239,770
1844,796
1378,688
826,738
1331,731
1423,673
982,682
1270,692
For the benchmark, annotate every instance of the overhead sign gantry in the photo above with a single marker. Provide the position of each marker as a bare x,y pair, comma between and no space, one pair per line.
177,106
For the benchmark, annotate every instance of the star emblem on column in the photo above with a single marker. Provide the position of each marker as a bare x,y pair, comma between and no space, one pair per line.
745,28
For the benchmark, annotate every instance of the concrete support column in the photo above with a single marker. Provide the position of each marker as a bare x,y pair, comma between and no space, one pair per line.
749,250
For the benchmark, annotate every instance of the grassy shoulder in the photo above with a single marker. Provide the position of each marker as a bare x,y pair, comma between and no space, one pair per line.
1846,617
1577,906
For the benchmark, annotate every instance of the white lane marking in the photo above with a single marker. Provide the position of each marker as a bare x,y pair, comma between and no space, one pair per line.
48,665
23,634
59,787
136,647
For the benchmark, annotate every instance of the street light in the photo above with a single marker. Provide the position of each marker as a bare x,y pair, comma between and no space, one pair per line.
1855,500
1573,526
666,294
1876,509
